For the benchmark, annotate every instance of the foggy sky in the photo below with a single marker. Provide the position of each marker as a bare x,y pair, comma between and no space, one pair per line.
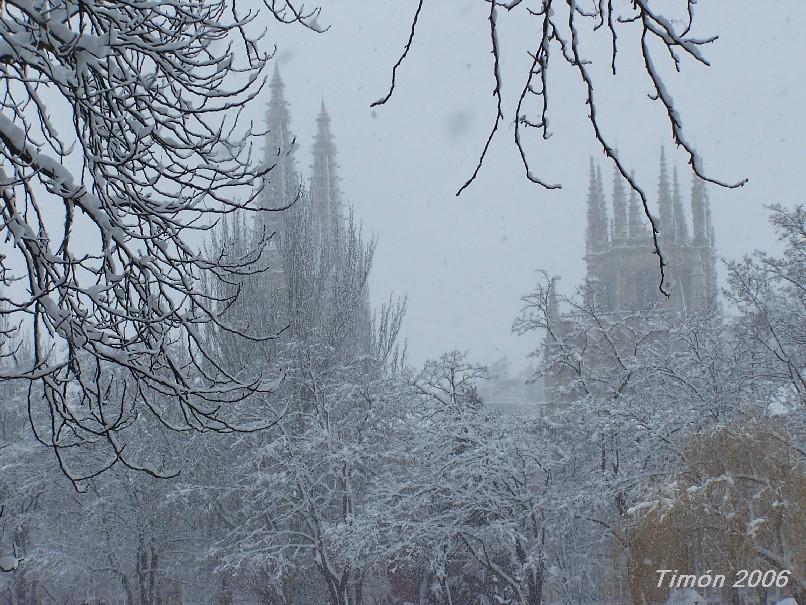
464,262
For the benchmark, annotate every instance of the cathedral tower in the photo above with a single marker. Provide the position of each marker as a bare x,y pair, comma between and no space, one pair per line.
596,239
620,226
314,262
620,265
325,184
330,221
637,230
665,209
282,186
622,269
680,226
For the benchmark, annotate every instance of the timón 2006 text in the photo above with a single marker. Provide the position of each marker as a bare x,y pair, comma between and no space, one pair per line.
744,579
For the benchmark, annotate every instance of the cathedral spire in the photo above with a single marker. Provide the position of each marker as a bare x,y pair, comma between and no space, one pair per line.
600,194
282,182
324,181
665,209
680,225
635,220
703,236
553,304
700,212
619,207
596,236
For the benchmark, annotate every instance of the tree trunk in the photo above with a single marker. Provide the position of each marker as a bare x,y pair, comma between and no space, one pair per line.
154,588
333,586
534,581
446,588
423,589
535,585
358,590
225,595
127,587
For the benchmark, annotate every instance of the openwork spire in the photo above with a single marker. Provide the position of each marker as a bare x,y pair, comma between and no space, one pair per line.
596,237
700,212
680,224
282,186
665,203
636,214
324,181
600,195
619,207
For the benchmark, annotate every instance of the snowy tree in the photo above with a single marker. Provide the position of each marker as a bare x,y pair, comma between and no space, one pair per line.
298,487
120,535
628,388
300,491
770,293
313,291
645,400
463,505
121,136
738,504
741,487
308,485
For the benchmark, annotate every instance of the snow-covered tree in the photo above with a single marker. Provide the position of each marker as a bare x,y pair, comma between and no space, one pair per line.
770,293
296,489
302,491
461,507
632,387
121,136
643,397
741,485
740,503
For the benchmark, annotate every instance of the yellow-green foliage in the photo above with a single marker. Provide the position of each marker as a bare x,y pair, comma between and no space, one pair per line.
740,503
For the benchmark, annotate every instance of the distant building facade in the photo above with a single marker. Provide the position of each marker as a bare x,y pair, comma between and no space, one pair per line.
294,210
619,252
622,268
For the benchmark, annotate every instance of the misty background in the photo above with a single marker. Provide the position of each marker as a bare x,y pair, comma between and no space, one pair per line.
232,428
463,262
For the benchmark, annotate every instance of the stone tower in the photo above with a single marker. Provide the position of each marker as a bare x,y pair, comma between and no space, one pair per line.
324,185
622,269
282,188
621,265
329,219
304,229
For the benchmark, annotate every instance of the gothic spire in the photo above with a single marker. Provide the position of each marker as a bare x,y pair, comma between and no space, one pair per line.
553,305
710,256
680,225
700,211
600,194
596,236
619,207
703,236
636,225
282,182
324,181
665,210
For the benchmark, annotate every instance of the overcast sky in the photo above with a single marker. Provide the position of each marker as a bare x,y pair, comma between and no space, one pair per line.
464,262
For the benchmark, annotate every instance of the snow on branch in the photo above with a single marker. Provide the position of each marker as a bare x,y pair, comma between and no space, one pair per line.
559,27
121,135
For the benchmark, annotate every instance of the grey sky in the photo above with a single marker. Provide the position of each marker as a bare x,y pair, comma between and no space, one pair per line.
464,262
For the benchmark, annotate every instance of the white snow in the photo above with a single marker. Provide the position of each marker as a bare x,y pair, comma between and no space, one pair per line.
8,563
687,596
783,401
